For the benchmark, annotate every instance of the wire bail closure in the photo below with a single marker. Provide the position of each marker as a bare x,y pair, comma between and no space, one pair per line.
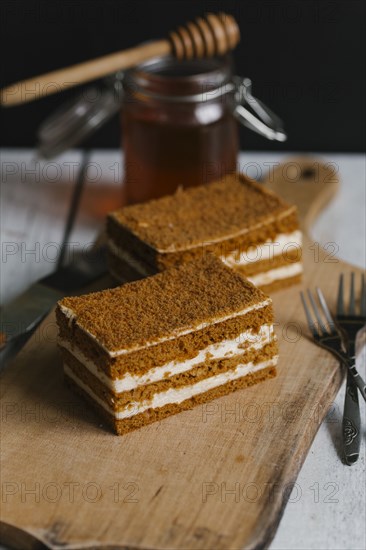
253,114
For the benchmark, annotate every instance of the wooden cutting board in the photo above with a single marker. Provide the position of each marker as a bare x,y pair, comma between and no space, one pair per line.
215,477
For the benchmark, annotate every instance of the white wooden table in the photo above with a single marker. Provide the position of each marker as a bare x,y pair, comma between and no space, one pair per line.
327,508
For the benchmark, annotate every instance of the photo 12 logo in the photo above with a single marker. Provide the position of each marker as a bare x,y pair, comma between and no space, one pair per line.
72,492
252,492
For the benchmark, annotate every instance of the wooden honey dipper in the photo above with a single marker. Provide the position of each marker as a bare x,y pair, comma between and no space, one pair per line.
215,34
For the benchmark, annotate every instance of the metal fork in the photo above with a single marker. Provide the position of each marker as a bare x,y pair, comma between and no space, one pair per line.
329,337
350,324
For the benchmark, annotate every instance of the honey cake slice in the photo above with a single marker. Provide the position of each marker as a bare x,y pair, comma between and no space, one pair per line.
154,347
249,227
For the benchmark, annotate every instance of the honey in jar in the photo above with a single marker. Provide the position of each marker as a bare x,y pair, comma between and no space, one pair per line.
178,127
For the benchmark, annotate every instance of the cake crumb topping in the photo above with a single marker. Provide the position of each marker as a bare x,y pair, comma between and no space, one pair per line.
201,214
160,306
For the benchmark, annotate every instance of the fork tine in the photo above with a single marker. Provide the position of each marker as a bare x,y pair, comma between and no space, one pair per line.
363,296
311,324
340,304
327,313
322,327
352,308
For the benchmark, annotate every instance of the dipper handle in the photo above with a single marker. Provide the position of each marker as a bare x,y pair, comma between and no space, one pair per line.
205,37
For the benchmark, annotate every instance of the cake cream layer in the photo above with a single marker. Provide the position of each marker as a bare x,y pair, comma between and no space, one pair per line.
172,395
262,273
245,341
282,244
116,353
116,247
278,274
262,265
253,248
210,367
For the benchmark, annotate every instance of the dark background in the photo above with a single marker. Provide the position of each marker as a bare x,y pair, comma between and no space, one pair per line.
306,59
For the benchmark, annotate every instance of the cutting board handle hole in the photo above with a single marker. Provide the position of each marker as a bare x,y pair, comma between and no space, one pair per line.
308,173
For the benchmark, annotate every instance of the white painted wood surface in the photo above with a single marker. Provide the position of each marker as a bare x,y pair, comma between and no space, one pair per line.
35,198
327,508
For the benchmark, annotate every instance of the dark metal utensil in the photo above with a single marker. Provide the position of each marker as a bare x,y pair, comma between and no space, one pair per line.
328,336
20,317
350,324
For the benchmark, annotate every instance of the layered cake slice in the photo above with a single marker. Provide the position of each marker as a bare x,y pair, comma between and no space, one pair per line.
163,344
250,228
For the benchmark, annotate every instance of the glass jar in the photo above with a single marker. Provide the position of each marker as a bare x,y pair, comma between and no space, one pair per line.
179,122
178,127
